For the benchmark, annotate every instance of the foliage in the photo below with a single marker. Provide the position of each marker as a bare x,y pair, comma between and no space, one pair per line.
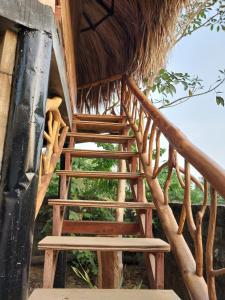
176,192
85,260
199,14
82,274
167,82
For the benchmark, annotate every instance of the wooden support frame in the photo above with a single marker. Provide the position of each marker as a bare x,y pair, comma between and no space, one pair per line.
55,138
8,42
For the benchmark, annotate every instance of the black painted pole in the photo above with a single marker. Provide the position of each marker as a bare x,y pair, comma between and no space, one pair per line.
19,174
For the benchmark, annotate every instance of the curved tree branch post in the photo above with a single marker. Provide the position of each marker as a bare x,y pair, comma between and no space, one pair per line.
196,285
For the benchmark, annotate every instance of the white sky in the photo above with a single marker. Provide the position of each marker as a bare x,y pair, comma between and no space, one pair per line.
201,119
202,54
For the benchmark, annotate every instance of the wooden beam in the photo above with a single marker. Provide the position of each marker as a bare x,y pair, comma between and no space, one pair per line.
30,14
69,48
8,44
100,82
58,84
100,227
50,3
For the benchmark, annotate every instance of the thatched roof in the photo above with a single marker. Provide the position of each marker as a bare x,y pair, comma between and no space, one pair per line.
119,36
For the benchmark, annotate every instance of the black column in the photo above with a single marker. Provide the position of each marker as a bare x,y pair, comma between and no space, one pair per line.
19,175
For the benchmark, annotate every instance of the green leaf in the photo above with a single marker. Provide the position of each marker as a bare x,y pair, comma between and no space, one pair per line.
190,93
220,100
74,216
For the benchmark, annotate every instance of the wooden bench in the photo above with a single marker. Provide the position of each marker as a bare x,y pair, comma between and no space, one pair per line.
97,294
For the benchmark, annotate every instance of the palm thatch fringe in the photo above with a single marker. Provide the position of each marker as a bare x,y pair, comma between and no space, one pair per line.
134,40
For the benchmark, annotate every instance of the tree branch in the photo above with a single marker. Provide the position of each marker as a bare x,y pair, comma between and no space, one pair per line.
185,98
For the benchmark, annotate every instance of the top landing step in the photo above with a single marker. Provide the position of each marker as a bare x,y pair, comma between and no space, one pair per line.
97,294
99,118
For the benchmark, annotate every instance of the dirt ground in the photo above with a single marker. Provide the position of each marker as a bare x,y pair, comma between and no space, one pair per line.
133,278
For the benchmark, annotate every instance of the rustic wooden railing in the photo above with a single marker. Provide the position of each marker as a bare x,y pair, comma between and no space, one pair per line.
54,138
149,125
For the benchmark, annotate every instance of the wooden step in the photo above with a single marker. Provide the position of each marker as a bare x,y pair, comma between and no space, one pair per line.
100,154
97,294
100,126
103,175
151,245
98,118
102,204
100,138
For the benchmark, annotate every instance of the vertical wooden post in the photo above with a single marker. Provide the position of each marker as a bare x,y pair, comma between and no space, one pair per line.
61,267
21,161
110,263
159,270
48,269
8,43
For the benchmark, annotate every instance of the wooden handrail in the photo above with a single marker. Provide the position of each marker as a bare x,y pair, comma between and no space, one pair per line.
211,171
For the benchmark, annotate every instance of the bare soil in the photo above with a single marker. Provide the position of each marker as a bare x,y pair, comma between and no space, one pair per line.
134,277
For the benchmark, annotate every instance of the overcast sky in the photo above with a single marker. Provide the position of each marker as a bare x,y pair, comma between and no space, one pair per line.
203,122
202,54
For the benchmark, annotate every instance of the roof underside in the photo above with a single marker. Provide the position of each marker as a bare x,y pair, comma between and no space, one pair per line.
124,36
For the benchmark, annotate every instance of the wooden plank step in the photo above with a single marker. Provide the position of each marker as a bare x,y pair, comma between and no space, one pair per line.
103,175
109,294
100,138
151,245
100,126
102,204
98,118
100,154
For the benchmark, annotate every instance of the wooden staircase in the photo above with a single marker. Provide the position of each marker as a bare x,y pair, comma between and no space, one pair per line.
103,236
143,125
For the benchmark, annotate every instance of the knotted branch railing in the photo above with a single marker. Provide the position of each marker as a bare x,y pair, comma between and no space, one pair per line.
54,138
149,125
